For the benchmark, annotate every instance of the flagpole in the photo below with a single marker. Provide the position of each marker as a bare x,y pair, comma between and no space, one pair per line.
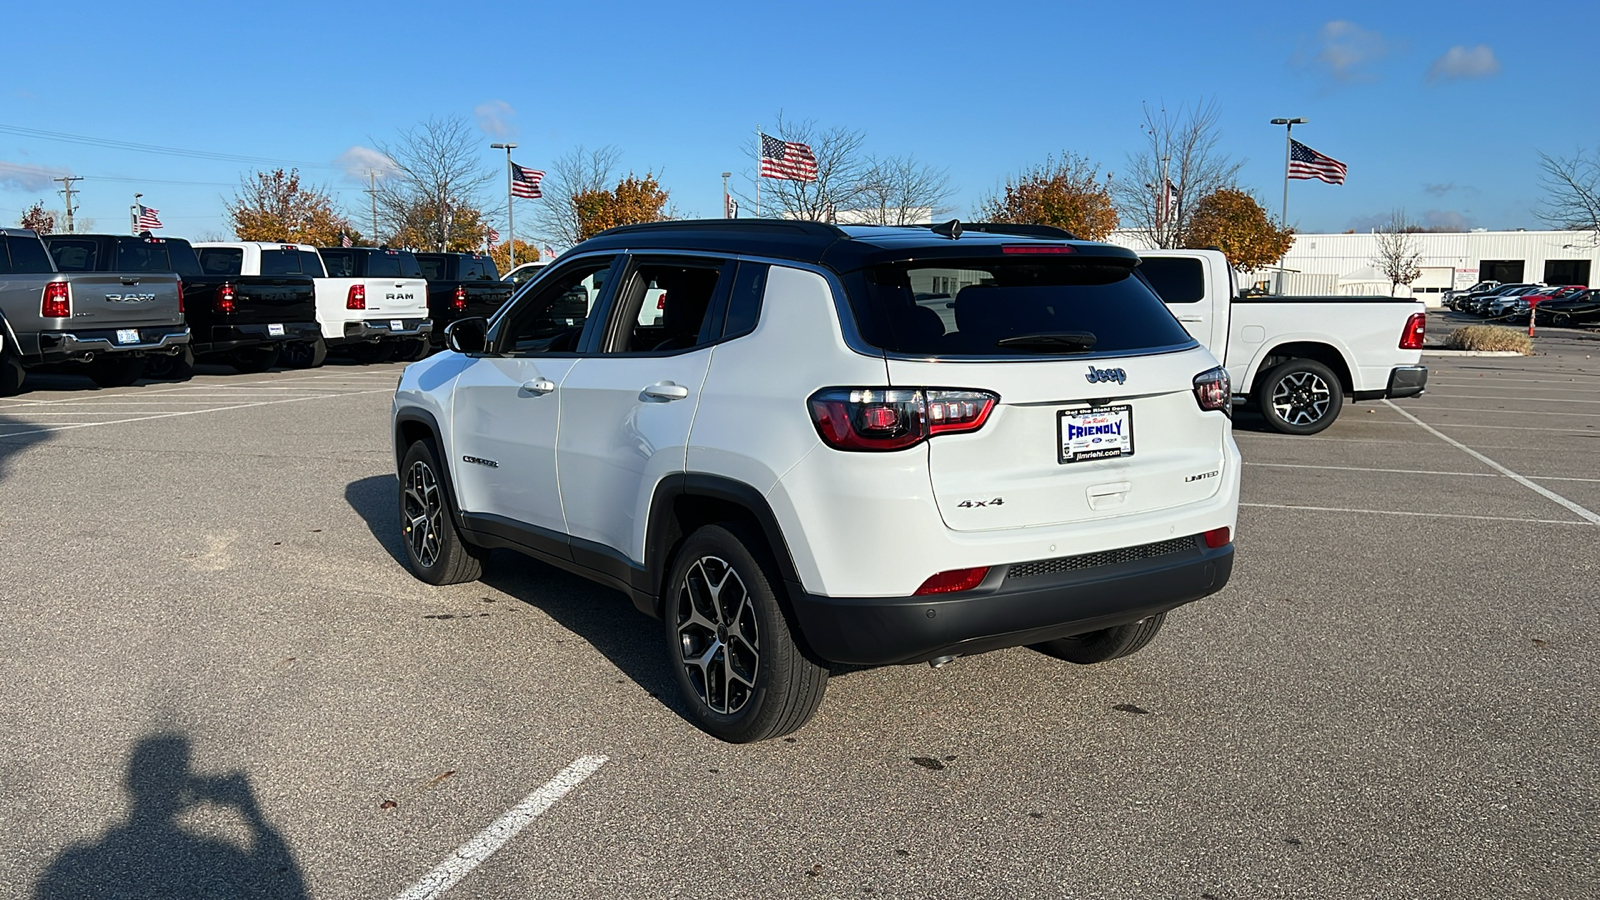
758,171
1288,145
511,222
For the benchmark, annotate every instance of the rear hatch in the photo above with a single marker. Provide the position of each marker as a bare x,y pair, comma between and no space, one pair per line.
1096,414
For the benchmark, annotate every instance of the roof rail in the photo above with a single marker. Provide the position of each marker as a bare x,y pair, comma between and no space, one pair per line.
1038,231
749,226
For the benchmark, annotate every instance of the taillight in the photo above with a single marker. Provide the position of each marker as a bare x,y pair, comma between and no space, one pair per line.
460,302
226,300
1411,336
1026,249
953,580
896,418
57,301
1218,537
180,298
357,298
1213,391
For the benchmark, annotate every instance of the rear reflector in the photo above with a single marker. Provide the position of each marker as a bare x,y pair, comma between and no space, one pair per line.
1036,248
952,581
1218,537
1411,336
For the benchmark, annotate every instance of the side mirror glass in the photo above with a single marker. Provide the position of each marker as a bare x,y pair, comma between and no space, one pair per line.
467,335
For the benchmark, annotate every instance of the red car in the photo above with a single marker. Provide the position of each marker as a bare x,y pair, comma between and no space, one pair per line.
1525,304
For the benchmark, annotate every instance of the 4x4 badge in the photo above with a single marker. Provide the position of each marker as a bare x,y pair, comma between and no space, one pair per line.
1098,375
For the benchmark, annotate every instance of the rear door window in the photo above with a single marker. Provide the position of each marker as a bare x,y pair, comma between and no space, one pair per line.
989,307
222,260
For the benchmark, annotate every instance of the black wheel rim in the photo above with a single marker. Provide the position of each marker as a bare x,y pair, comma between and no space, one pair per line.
718,638
422,509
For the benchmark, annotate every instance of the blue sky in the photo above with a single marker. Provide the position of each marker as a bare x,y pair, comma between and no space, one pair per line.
1439,108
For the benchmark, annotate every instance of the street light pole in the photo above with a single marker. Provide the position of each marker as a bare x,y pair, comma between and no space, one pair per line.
1288,145
727,210
511,222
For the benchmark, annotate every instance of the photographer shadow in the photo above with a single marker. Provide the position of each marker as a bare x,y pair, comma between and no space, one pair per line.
153,854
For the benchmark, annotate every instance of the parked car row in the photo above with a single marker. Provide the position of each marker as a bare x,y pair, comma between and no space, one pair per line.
120,307
1580,307
1511,302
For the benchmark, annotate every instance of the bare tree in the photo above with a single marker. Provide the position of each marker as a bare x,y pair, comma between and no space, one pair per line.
842,170
1399,257
581,172
1179,164
899,190
1572,191
438,172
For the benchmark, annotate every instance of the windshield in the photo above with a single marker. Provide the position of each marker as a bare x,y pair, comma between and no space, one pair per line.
989,307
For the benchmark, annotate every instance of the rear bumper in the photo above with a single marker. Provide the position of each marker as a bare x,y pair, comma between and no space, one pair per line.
384,330
81,344
232,337
1404,381
1006,611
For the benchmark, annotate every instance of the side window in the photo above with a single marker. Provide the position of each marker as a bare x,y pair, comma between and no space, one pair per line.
551,318
665,306
23,256
222,260
744,304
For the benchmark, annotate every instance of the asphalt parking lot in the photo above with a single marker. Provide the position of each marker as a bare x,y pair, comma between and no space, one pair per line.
218,678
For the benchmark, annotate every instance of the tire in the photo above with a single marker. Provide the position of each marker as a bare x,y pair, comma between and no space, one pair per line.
1301,396
170,368
367,353
1561,320
410,350
12,375
116,371
304,354
1106,644
251,360
434,547
729,642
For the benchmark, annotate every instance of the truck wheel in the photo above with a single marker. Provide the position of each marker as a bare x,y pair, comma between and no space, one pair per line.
411,350
12,375
304,354
250,360
1106,644
179,367
436,551
731,649
1301,396
116,371
368,353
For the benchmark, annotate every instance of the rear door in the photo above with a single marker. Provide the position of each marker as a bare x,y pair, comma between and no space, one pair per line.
1095,413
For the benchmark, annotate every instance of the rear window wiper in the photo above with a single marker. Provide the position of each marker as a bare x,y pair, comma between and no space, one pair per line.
1050,341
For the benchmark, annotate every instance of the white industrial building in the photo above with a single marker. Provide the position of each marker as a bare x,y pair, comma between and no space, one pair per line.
1348,263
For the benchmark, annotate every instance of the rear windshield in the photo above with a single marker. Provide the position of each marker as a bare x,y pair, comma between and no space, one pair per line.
997,307
436,267
432,267
222,260
340,263
478,268
392,264
75,255
155,255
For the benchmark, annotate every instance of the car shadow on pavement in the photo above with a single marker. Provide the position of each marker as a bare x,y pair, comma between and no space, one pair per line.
16,436
604,618
156,852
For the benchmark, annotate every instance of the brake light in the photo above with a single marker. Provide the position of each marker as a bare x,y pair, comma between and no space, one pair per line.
226,300
1411,335
896,418
57,301
357,298
180,297
1036,248
1213,391
460,302
954,580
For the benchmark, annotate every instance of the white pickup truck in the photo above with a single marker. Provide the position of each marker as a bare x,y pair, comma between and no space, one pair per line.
1296,359
372,302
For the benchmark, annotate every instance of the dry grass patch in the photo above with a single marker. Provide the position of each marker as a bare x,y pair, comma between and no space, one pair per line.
1489,337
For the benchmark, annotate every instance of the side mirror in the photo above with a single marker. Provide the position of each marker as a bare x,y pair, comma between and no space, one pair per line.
467,335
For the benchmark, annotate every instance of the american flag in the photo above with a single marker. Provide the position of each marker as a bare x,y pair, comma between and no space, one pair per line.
548,252
344,240
494,238
148,218
1305,162
787,160
525,182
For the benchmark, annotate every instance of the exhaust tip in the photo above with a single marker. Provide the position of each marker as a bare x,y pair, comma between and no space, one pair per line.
939,662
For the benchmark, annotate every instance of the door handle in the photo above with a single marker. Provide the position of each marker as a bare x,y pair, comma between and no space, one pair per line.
539,387
666,390
1191,318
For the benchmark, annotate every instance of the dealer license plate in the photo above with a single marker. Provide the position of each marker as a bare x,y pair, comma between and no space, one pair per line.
1098,433
397,325
275,330
127,335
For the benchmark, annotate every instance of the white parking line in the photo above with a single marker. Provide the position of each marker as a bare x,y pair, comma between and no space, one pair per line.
1398,512
469,855
1364,469
1537,489
1512,412
188,412
1521,399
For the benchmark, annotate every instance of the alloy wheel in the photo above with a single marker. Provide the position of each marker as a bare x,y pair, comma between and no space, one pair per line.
718,635
424,514
1301,398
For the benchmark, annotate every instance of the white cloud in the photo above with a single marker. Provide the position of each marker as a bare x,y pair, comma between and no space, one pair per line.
1345,48
1459,62
27,178
358,161
495,118
1447,220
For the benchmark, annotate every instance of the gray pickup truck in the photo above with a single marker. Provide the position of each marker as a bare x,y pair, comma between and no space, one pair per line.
98,324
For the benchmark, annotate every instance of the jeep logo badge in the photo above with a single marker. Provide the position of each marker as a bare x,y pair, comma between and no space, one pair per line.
1098,375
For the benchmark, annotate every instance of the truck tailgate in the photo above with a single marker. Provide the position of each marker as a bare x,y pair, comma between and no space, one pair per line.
112,300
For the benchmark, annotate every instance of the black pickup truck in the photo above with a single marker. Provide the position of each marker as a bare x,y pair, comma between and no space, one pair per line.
461,285
243,321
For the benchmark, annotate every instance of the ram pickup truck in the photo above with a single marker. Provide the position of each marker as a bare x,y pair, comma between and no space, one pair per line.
240,320
101,324
461,285
1296,359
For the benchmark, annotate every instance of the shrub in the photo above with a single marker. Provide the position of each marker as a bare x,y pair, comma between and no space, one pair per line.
1489,337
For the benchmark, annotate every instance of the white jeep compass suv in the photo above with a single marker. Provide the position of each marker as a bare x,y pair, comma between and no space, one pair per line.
801,445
